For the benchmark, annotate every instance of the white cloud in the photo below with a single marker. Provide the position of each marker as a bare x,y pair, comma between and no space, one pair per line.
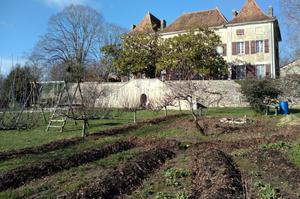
63,3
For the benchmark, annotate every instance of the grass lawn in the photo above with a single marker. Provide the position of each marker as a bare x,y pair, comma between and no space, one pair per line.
15,139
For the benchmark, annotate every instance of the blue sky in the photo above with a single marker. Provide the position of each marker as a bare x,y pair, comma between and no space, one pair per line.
22,22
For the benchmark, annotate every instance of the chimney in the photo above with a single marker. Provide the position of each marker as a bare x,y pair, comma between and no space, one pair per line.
163,24
133,27
234,13
271,11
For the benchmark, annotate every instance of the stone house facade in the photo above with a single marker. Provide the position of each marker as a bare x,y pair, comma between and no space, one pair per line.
250,40
291,70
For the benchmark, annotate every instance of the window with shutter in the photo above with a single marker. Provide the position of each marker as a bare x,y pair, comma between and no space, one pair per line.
267,46
253,47
259,46
247,47
240,32
250,71
268,70
240,48
234,52
260,71
233,72
224,49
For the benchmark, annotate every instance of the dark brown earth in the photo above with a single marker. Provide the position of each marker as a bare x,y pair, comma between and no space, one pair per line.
216,176
126,177
274,166
21,175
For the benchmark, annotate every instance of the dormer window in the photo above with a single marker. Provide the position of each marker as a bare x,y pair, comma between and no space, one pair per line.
240,32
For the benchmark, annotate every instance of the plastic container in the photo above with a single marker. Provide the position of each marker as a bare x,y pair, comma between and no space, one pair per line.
284,107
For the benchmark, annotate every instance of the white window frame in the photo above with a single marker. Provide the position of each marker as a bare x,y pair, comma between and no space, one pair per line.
259,46
262,75
240,48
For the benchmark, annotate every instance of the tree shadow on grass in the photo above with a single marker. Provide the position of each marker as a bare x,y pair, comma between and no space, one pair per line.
294,111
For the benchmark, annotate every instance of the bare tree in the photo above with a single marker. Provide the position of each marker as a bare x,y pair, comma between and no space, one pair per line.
133,105
72,40
197,95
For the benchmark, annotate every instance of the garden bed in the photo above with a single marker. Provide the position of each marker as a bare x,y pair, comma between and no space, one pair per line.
126,177
22,175
216,176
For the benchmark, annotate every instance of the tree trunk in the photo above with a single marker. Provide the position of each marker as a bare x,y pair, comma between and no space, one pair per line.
134,117
166,111
179,103
85,128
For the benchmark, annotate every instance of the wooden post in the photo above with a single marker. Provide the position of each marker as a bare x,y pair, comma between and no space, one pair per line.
85,128
179,103
134,116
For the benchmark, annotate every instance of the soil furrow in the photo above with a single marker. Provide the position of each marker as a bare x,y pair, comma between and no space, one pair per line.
61,144
126,177
216,176
22,175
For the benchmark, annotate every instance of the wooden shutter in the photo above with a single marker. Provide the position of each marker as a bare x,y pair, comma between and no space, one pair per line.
267,50
233,72
268,70
250,71
253,47
247,47
224,49
234,49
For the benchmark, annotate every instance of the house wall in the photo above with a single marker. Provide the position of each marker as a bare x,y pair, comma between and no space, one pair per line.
252,32
291,69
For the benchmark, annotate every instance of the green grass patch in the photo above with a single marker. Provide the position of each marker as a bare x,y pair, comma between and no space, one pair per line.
294,154
31,159
277,145
16,139
69,180
226,111
265,190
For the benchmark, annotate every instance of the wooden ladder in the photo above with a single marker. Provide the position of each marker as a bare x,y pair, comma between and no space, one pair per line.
57,120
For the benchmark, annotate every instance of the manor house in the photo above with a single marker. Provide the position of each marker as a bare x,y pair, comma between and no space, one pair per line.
250,39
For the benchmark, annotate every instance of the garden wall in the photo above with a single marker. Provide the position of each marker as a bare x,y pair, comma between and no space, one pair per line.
216,93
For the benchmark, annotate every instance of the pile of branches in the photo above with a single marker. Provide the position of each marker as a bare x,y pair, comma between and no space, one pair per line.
21,175
216,176
126,177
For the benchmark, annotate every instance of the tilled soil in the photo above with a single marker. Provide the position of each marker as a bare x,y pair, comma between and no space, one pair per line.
275,167
126,177
216,176
60,144
21,175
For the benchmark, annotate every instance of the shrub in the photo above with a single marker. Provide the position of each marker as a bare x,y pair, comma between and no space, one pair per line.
256,91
